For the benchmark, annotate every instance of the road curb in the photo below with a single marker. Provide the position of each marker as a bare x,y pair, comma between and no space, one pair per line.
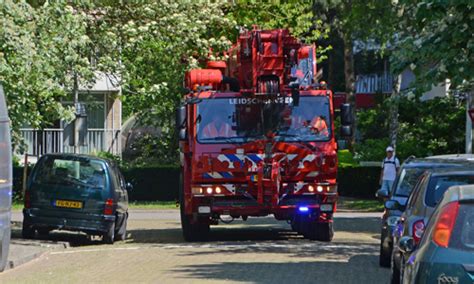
15,263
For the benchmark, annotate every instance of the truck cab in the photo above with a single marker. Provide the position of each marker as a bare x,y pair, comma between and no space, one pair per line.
255,149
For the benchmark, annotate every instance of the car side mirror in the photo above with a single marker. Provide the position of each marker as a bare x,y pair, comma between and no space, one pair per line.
128,186
393,205
382,193
406,244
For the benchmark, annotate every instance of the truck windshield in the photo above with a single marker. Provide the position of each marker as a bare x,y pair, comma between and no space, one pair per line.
237,120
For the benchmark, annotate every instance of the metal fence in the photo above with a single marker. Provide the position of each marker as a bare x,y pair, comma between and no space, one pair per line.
374,83
54,140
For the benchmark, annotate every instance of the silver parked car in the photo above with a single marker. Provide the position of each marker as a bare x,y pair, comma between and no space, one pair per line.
420,206
5,181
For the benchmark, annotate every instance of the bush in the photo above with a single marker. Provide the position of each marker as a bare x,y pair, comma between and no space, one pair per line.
361,182
161,183
153,183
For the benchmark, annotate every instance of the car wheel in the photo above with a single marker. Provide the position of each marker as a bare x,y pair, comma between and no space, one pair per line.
4,248
109,236
319,231
385,255
27,231
394,272
121,234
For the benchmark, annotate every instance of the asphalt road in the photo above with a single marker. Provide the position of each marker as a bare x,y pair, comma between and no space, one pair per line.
260,250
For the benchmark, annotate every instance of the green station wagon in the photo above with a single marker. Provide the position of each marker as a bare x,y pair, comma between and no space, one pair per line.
76,193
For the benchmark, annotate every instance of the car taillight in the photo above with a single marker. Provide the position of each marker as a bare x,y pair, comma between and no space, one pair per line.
109,207
27,199
445,224
418,229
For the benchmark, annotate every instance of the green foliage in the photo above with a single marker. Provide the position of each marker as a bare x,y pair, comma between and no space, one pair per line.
346,159
435,41
426,128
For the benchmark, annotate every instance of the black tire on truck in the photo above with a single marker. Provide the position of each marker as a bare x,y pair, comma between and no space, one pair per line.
317,231
191,232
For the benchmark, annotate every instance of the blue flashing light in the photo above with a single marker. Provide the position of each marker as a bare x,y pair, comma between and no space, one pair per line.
303,209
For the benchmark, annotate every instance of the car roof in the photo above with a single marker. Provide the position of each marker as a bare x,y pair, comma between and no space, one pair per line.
427,162
459,193
451,171
77,156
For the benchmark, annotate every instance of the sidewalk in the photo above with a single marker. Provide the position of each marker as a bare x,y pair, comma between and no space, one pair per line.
23,251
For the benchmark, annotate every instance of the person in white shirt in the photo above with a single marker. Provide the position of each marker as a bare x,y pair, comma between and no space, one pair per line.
390,166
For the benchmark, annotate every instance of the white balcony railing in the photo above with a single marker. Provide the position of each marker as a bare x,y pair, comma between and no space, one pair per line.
53,140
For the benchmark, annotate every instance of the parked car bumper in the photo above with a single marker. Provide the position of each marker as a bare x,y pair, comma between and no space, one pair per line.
89,224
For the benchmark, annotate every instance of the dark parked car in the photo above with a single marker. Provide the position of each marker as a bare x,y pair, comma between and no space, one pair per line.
425,196
78,193
446,251
406,179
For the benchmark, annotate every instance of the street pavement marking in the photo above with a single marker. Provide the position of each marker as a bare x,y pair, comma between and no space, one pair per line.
94,250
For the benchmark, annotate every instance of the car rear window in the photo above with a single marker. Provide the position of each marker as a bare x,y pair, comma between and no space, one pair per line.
463,234
407,180
439,184
76,172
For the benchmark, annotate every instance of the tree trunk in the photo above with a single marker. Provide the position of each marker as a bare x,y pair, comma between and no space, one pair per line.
350,81
393,111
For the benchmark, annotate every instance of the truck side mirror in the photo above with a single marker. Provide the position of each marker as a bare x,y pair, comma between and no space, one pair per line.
346,114
346,120
181,122
346,131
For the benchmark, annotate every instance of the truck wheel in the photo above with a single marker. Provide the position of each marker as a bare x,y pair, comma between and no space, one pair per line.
316,231
194,232
109,236
27,231
191,232
297,224
324,231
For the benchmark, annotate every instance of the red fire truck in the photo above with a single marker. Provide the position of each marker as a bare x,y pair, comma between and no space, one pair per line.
257,138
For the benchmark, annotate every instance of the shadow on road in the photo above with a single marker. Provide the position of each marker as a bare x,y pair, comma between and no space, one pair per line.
359,269
256,229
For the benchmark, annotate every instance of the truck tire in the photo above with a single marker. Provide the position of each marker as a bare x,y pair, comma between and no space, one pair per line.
194,232
324,231
191,232
316,231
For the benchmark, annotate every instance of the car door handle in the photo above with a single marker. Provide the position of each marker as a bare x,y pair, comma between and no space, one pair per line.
469,267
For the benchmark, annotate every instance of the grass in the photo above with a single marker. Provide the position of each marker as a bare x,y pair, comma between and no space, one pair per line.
364,205
152,205
17,206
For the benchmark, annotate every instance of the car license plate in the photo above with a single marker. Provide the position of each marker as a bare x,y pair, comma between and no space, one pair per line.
68,204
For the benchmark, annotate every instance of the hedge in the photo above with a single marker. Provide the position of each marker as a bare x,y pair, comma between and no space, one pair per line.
361,182
161,183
